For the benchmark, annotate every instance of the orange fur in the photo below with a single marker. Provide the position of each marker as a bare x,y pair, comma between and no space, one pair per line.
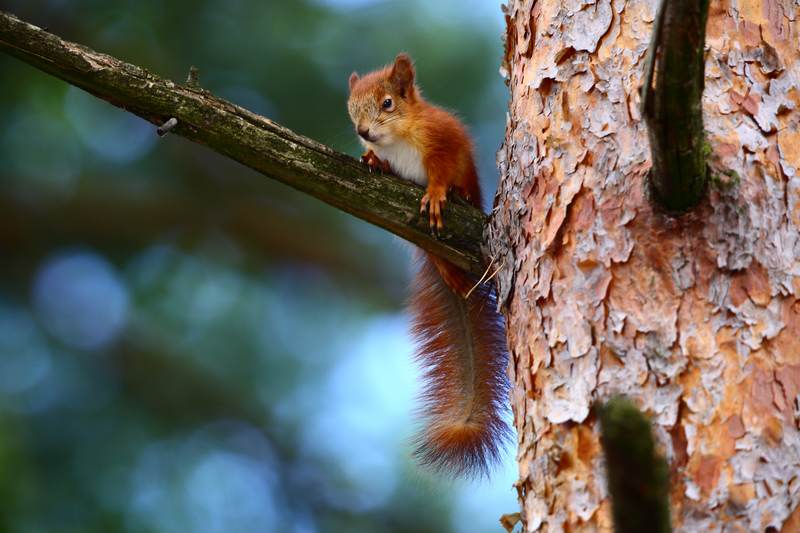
460,341
439,137
461,349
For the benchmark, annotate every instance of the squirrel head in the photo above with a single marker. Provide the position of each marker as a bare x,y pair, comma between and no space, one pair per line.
380,102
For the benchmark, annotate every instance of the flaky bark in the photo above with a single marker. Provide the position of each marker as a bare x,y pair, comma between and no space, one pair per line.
696,318
252,140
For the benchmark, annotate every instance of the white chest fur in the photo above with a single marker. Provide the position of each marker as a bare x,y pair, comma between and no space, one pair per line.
405,160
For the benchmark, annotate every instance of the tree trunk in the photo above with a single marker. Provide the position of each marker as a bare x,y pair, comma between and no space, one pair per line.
696,318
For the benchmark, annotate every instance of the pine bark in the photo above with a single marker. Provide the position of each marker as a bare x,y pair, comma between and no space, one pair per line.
695,318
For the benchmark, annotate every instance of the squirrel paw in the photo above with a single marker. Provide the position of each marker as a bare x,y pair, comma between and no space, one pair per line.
373,162
434,201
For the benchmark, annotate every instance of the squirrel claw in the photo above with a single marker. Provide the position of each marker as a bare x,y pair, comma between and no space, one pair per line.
373,162
434,201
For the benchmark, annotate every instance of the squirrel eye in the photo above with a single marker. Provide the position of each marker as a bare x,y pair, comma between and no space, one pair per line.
387,103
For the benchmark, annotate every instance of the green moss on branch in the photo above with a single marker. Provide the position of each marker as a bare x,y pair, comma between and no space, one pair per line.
638,479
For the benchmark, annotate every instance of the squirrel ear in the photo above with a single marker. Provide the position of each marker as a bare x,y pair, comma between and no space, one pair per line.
353,80
402,75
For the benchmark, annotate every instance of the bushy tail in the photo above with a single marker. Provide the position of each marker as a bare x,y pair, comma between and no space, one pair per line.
461,348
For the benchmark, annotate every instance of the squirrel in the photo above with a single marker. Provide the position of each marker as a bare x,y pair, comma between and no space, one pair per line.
460,337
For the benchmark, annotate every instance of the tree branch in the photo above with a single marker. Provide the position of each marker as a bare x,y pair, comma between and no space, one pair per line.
638,479
673,108
252,140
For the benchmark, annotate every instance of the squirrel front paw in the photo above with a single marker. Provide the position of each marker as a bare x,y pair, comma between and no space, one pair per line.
375,163
433,201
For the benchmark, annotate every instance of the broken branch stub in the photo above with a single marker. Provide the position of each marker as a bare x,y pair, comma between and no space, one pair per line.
672,107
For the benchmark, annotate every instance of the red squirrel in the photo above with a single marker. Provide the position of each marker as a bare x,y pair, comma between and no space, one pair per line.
460,339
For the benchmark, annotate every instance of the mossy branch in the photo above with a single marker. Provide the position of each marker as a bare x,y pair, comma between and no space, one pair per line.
638,480
672,107
252,140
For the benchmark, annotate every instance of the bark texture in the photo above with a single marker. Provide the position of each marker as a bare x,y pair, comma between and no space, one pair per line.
696,318
252,140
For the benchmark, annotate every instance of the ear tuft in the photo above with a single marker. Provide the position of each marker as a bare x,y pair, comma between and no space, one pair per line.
402,75
353,79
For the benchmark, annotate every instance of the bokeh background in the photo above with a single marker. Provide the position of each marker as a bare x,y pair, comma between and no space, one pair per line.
187,346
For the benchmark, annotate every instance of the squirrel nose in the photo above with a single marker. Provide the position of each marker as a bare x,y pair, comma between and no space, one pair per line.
364,133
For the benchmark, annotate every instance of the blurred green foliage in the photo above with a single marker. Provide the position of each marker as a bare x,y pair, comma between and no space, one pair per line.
186,345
